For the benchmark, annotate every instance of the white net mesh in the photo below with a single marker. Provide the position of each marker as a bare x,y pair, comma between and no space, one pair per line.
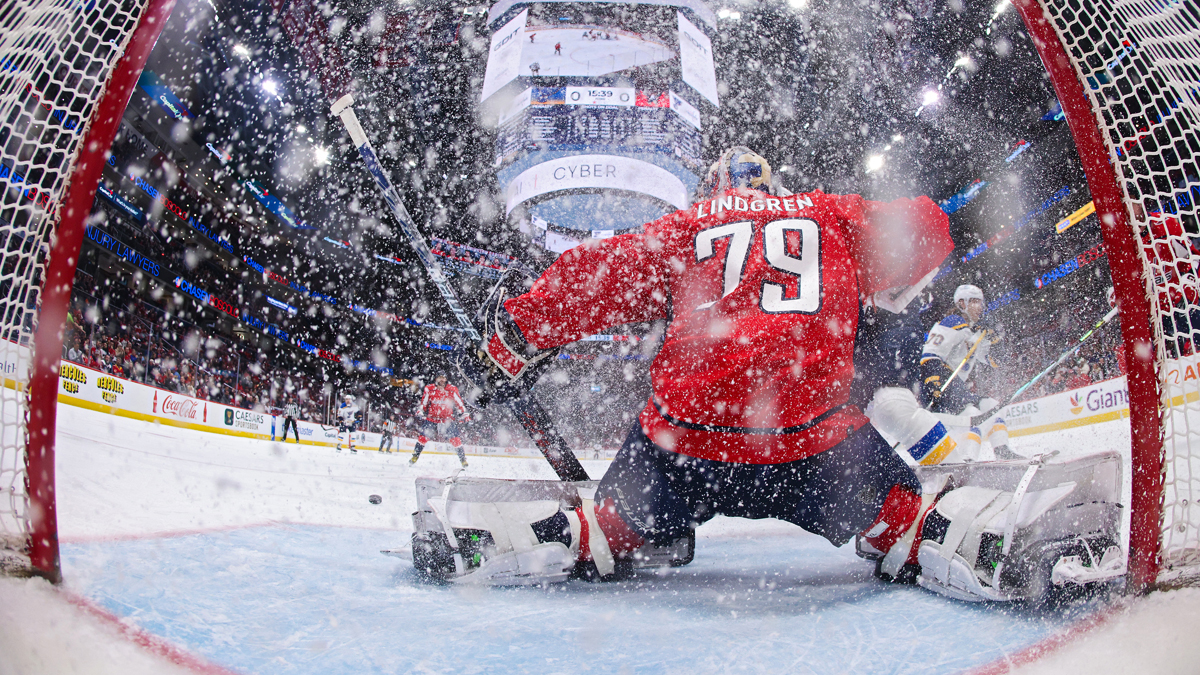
1139,62
55,58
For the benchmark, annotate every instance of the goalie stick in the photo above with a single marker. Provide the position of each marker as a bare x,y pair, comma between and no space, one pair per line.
525,408
982,417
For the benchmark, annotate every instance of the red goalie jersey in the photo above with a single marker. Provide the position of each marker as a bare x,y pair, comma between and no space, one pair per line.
763,295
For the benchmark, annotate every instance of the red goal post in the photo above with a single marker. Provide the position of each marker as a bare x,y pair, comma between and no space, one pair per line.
67,71
1127,74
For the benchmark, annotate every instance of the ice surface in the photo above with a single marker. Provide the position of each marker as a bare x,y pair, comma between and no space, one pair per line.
264,558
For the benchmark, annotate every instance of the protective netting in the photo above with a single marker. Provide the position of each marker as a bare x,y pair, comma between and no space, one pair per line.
1139,63
55,58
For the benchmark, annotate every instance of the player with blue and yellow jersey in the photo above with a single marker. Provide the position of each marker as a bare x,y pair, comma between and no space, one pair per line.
961,342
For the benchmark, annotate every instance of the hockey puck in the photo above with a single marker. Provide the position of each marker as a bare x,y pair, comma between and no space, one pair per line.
375,499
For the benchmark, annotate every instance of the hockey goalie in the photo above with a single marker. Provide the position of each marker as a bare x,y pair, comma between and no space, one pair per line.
750,412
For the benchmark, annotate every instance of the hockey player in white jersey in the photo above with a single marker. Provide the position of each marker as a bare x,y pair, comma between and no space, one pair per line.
348,415
957,349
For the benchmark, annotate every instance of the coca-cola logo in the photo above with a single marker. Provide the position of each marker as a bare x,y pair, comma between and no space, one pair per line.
180,407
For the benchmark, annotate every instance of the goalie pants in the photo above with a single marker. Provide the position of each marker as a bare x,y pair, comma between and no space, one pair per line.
837,493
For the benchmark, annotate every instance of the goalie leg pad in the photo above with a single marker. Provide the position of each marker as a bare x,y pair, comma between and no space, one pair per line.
514,555
1012,533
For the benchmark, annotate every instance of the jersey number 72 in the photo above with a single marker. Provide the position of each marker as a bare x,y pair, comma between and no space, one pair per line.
806,266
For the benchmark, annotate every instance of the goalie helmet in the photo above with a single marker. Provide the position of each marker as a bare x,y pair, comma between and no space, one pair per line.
738,166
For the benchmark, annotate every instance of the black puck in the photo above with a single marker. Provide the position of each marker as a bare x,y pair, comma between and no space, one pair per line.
375,499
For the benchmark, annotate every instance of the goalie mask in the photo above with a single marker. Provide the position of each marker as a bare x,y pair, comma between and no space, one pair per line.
738,166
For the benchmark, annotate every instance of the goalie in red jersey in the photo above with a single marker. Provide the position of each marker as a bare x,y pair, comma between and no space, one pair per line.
750,413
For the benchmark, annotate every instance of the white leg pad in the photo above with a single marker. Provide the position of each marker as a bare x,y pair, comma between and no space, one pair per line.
949,567
517,558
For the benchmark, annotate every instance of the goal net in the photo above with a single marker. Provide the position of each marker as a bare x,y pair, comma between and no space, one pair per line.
67,68
1127,74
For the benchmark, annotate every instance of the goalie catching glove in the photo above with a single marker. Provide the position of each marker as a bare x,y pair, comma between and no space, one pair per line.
504,362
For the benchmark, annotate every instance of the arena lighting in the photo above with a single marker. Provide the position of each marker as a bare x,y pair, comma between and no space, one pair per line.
798,4
874,163
301,129
270,86
321,155
731,14
931,97
241,51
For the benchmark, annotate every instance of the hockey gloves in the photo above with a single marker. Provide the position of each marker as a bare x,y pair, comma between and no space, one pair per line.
505,364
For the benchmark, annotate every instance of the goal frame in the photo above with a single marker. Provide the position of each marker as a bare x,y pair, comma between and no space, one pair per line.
1132,289
66,241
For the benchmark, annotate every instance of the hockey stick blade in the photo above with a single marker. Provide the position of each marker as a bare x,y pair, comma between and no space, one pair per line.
983,416
527,410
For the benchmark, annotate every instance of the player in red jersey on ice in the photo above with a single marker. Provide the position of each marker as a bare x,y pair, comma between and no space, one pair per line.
749,414
441,410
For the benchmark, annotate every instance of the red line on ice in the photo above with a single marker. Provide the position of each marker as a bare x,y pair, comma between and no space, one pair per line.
1051,644
150,643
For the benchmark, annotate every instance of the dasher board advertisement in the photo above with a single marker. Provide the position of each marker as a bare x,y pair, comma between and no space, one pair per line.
92,389
696,59
504,59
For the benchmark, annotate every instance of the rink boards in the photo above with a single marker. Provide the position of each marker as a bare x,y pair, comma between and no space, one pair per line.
84,387
94,390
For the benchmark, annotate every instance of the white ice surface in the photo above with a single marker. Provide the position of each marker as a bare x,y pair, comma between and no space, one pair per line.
1156,634
41,633
581,56
220,501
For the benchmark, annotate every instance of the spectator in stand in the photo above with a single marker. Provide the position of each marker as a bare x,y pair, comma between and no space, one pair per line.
1079,376
75,352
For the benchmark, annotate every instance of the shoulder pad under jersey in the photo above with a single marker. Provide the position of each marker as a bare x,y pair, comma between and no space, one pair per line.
953,321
